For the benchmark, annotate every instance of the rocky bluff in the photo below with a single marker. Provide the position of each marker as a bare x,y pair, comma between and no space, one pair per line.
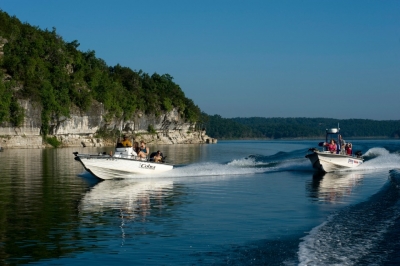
81,128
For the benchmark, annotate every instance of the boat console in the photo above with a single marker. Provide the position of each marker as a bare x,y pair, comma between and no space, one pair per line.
125,152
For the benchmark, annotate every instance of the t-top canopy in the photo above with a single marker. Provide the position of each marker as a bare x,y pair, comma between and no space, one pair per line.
332,130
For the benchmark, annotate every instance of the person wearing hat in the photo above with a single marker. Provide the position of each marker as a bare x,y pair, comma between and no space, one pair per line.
126,142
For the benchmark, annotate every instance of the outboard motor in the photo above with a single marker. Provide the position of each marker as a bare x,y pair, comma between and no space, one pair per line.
76,157
358,154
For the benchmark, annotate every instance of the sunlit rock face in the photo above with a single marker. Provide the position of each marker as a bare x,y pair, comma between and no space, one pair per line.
80,128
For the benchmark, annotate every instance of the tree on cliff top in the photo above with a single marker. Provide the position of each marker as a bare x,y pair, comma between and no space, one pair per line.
57,75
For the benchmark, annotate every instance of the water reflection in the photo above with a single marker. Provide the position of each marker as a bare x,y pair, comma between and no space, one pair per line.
38,214
132,198
332,187
129,203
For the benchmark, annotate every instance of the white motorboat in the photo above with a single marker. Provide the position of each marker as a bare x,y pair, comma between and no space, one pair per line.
326,161
123,164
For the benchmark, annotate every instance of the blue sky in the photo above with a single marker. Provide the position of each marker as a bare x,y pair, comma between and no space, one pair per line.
334,59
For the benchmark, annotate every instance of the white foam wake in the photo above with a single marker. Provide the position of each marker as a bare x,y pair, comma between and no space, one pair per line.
343,241
207,169
245,162
374,152
299,164
383,160
295,165
352,236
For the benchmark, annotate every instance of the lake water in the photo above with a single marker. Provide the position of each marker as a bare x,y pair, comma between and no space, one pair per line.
231,203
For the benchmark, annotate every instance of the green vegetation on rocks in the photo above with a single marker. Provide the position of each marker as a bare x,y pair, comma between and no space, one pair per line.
40,66
53,141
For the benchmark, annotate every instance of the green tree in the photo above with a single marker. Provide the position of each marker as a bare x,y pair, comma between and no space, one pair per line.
47,70
5,101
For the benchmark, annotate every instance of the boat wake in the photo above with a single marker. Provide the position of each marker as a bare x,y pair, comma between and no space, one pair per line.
357,234
245,166
375,152
237,167
380,158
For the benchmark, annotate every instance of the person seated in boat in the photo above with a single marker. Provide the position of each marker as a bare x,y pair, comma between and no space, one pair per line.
151,158
349,150
136,147
126,142
157,158
144,151
331,146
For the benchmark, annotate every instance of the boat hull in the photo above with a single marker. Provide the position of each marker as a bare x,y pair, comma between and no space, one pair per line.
328,162
107,167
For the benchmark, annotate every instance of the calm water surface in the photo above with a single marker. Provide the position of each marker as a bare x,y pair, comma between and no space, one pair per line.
233,203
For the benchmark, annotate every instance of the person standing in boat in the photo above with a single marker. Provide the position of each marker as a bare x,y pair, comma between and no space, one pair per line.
341,145
126,142
144,151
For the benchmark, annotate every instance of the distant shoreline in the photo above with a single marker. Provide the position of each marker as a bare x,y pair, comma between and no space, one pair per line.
315,138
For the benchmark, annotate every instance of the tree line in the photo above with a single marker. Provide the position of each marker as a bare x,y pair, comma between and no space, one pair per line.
278,128
39,65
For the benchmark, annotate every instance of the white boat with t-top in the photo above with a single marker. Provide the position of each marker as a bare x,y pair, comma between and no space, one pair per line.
327,161
122,164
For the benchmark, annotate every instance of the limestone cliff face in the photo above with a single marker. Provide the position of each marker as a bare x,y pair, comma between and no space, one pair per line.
80,128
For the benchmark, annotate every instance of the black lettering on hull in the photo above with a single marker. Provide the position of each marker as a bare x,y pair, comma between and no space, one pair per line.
147,166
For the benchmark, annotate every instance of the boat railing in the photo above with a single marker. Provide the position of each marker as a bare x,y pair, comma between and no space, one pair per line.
357,154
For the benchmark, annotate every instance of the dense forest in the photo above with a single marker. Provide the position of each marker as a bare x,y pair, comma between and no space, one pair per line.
277,128
39,65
